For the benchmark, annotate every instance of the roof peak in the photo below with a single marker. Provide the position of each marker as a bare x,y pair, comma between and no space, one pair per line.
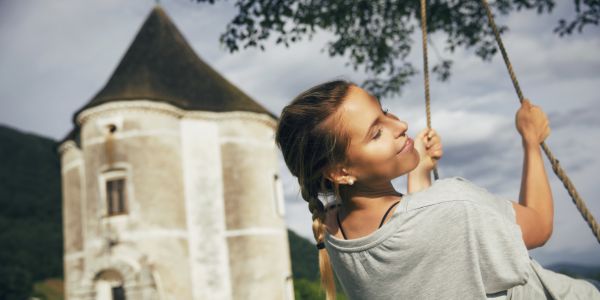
161,66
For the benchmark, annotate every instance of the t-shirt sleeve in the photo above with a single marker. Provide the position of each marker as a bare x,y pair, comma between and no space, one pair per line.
500,204
498,248
495,239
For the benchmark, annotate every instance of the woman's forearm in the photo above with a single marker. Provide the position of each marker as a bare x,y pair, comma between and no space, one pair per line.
418,180
535,189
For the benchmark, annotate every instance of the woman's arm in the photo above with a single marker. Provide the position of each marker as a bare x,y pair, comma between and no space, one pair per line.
535,210
418,180
429,146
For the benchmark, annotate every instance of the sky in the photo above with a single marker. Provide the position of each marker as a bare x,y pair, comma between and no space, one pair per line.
56,55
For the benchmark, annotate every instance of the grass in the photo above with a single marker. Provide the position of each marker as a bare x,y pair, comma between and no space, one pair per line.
49,289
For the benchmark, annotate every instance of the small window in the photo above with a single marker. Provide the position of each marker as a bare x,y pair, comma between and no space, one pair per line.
278,195
116,199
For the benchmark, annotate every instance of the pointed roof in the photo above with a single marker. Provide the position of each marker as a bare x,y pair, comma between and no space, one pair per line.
160,65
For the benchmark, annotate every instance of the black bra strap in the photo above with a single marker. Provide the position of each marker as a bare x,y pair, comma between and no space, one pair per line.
340,224
386,213
381,224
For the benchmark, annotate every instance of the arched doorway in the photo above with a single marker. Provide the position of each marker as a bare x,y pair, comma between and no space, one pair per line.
108,285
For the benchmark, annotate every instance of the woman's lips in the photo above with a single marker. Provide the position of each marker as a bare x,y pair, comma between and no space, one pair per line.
408,145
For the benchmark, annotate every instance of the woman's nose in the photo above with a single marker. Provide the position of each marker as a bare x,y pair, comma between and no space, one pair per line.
401,128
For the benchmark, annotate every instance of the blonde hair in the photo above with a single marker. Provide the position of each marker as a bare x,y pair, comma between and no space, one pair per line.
310,144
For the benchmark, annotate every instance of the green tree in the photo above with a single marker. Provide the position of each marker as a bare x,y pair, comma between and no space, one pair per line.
305,289
376,35
15,283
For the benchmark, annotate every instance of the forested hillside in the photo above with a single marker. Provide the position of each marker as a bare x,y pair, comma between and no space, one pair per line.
30,214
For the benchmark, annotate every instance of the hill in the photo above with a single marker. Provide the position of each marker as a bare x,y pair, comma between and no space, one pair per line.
30,218
577,271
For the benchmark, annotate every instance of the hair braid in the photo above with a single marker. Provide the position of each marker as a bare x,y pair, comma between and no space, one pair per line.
317,209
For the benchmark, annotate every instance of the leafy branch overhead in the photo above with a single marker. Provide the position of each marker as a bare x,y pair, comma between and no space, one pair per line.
376,35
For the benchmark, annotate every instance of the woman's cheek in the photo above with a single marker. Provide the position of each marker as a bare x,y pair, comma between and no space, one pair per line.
380,152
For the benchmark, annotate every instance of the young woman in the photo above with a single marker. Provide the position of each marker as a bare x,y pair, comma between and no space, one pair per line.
449,240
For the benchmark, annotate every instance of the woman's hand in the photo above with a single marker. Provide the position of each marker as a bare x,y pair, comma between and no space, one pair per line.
532,123
429,145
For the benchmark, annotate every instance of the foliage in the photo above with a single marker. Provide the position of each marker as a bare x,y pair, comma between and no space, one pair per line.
49,289
15,283
376,35
305,260
305,289
30,218
305,269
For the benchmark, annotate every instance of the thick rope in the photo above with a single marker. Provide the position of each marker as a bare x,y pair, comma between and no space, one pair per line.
426,71
560,173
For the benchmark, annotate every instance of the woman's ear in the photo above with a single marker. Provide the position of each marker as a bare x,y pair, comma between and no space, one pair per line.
339,175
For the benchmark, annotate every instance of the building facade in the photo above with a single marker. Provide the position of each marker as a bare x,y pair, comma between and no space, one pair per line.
170,183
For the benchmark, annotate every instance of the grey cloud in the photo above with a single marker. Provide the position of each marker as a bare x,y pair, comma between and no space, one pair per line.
581,116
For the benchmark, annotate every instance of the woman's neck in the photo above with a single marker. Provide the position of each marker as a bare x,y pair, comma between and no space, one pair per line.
361,197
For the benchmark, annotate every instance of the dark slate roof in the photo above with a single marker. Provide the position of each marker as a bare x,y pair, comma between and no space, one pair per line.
160,65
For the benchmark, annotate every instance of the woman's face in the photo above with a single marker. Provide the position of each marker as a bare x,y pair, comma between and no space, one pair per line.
379,149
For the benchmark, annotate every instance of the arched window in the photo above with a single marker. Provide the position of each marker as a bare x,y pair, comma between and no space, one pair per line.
116,196
115,192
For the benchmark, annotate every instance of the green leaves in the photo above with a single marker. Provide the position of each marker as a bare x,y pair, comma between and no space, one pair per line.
375,36
587,12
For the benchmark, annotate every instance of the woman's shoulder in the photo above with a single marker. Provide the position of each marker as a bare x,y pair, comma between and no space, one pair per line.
458,188
454,188
441,191
454,180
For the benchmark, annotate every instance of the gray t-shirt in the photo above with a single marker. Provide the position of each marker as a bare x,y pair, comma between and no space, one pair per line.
453,240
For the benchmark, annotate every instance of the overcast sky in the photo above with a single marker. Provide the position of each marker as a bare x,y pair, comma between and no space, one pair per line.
55,55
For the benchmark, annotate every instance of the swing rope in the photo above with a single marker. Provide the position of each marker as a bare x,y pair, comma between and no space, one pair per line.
426,72
560,173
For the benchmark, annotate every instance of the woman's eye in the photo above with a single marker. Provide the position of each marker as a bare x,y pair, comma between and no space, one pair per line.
377,135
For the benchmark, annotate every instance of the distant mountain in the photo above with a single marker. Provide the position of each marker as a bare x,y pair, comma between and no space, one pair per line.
578,271
30,212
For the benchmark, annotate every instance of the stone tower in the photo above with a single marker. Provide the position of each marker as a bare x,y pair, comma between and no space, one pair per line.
170,183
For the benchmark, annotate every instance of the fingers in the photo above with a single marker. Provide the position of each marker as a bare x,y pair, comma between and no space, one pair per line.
434,145
431,132
437,154
423,134
432,139
546,131
435,150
